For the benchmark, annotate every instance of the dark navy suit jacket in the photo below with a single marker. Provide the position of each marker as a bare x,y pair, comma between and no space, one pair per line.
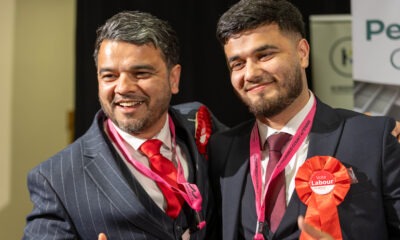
371,208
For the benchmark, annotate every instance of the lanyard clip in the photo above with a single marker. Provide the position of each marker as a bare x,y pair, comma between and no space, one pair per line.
259,231
201,223
260,227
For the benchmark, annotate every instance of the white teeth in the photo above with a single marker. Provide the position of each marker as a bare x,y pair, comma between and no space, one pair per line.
130,104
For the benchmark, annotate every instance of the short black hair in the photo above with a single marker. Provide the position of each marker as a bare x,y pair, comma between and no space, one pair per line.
140,28
250,14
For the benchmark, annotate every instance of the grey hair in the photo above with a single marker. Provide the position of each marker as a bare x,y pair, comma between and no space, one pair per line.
140,28
250,14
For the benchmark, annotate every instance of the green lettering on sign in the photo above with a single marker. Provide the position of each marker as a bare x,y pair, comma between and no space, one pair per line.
393,31
374,27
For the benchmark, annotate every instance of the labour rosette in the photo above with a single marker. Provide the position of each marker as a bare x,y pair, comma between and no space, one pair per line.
322,183
203,129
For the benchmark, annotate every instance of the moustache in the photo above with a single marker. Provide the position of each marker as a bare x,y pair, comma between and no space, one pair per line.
130,98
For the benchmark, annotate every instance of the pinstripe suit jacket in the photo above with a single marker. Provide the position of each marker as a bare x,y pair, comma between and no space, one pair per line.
82,191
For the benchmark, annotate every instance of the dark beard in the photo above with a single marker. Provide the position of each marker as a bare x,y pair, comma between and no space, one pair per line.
135,126
273,107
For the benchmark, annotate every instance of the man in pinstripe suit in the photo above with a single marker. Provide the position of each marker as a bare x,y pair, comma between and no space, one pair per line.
98,183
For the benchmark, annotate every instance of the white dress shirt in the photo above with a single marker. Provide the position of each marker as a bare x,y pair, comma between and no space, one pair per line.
298,158
149,185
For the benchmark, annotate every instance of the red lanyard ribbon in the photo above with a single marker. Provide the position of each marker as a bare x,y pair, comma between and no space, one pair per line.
191,194
255,165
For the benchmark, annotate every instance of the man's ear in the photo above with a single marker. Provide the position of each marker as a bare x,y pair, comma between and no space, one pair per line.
174,78
303,49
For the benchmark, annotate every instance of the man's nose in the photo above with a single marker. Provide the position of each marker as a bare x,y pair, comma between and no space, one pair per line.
253,71
125,84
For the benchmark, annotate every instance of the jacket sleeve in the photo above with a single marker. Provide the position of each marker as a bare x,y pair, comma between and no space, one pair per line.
48,219
391,181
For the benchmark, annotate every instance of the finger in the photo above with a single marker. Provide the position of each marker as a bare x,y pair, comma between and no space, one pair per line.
102,236
312,231
396,131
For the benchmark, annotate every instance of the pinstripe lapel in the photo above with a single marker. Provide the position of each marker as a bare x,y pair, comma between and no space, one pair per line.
183,127
102,169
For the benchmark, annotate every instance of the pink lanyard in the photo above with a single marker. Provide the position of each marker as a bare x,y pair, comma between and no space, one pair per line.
255,165
191,195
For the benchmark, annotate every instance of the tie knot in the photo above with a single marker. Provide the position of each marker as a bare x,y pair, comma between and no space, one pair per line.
151,147
277,141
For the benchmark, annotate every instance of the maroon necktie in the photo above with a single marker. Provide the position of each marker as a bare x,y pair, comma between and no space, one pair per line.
165,169
276,196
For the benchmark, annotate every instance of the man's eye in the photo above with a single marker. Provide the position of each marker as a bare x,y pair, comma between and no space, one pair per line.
236,66
108,77
143,75
265,56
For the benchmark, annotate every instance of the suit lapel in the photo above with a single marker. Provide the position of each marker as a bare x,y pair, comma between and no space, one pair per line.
323,141
326,132
187,137
235,173
106,175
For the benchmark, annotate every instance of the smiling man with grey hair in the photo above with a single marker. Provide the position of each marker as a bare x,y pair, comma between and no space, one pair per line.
138,172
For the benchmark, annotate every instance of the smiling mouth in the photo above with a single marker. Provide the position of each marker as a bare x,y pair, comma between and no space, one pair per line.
255,88
258,86
130,103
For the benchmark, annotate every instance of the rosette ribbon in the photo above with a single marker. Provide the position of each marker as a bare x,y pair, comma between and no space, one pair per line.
203,129
322,183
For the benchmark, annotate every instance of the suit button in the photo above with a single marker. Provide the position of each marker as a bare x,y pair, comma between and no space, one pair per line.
178,231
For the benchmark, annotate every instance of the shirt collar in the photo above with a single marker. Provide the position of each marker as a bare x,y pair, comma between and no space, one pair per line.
164,136
291,127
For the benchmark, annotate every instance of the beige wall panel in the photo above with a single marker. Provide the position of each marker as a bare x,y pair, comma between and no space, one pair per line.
41,95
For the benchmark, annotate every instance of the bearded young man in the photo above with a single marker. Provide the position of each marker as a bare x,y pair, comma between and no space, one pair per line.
298,156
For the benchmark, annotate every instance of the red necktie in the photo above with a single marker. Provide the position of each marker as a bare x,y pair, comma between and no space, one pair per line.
276,196
165,169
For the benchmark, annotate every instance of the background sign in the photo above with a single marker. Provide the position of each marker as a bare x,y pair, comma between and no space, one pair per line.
376,41
331,59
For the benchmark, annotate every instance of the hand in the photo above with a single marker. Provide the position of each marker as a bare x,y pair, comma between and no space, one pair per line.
312,231
396,131
102,236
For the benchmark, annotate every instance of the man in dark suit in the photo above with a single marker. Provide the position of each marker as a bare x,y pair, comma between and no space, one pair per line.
112,179
346,163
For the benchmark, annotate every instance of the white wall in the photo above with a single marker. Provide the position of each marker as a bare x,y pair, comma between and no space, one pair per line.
38,79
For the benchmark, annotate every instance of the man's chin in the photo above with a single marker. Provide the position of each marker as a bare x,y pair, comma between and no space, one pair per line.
132,128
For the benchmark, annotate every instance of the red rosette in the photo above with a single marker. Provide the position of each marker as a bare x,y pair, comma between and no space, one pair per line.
322,183
203,129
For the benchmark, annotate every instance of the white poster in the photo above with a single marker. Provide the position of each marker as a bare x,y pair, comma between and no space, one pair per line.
376,56
331,59
376,41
